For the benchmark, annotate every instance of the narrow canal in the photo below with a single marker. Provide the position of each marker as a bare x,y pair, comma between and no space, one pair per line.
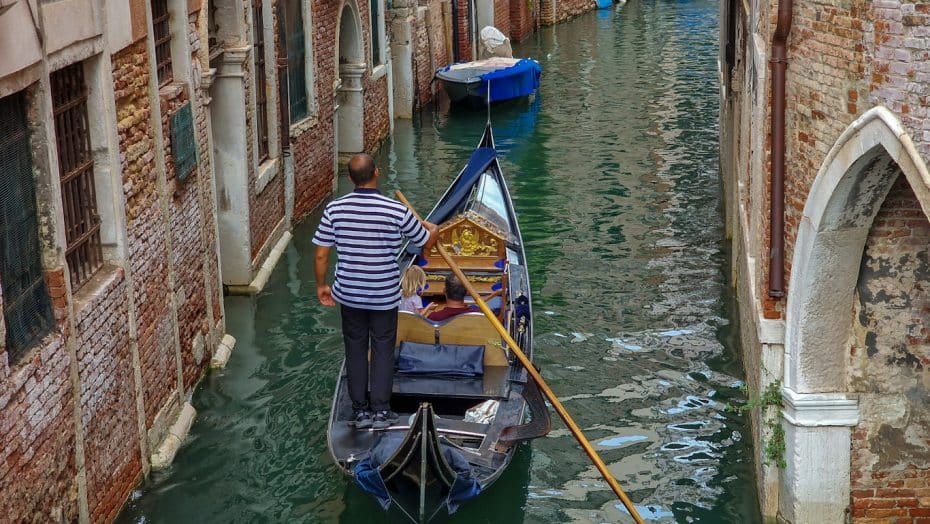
613,169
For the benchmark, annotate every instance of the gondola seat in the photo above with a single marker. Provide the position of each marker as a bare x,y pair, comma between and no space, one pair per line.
469,330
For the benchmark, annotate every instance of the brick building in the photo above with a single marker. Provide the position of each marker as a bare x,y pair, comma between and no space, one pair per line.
833,274
112,300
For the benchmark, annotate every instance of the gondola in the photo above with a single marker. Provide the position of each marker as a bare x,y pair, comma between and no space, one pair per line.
463,400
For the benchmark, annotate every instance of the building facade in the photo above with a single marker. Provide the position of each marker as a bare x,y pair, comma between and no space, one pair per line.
825,139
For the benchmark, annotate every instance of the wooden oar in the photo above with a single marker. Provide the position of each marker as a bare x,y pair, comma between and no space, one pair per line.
531,369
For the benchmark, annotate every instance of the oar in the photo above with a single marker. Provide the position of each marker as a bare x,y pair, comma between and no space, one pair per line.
531,369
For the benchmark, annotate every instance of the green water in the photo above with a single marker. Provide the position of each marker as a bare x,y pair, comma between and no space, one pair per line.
613,170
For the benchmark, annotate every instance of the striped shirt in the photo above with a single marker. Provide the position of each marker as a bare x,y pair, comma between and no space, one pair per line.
368,230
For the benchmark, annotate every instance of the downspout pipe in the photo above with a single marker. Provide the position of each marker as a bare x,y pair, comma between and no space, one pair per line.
779,63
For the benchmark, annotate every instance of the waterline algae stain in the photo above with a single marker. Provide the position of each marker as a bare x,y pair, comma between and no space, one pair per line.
613,170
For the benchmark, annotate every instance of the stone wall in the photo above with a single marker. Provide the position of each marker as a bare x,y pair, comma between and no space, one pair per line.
889,358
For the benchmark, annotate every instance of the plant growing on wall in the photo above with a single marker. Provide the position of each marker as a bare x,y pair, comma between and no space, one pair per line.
774,444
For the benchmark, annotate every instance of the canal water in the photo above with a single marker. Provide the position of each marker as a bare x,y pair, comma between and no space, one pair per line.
614,175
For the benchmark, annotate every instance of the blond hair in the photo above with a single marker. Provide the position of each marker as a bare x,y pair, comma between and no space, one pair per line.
414,280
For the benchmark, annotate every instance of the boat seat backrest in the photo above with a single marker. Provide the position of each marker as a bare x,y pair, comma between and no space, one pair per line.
470,329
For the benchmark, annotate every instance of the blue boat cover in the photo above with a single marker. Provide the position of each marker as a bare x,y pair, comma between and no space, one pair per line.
480,159
368,477
515,81
604,4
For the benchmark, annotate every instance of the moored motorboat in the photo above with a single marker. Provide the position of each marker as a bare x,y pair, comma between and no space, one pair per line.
463,401
507,78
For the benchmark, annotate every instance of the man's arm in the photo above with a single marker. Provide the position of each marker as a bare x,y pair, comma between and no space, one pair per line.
320,265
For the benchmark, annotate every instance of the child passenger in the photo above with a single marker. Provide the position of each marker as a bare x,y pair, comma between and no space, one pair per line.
411,287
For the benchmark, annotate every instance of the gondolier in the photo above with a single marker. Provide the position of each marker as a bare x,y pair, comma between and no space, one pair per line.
368,230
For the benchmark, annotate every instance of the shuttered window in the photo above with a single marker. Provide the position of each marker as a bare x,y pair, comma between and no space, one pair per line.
261,86
76,171
296,61
27,309
162,34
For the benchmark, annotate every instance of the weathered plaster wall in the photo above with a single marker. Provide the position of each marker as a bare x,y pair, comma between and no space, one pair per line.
888,360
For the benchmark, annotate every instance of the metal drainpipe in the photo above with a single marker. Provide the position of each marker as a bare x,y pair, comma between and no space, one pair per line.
284,105
779,62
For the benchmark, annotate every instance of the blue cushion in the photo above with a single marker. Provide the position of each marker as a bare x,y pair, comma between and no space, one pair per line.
440,359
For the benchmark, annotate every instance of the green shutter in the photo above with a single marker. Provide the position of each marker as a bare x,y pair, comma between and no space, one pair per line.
183,142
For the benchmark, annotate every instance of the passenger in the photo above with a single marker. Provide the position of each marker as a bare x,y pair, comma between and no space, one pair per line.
455,301
411,288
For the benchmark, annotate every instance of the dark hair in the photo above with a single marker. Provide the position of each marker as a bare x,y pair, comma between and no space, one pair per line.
361,169
455,290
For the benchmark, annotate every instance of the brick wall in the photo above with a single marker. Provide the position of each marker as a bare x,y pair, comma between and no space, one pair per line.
889,359
502,15
266,209
147,234
313,148
463,30
522,19
108,397
37,462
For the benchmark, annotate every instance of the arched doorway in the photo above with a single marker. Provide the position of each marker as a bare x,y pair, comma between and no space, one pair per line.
350,93
843,300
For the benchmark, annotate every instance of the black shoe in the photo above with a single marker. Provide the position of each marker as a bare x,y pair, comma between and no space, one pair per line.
361,419
383,419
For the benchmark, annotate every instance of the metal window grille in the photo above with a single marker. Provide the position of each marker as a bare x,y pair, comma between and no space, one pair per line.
162,34
27,308
76,169
374,15
261,89
296,61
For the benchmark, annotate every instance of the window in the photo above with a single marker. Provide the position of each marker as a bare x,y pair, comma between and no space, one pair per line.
296,61
162,41
76,171
27,309
261,83
375,16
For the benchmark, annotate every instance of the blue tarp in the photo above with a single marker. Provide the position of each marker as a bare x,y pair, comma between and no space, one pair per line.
515,81
480,159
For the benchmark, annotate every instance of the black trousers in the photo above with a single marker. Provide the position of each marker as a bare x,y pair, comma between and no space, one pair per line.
363,329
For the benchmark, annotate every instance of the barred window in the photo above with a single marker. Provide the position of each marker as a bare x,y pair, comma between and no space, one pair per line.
76,170
375,17
162,34
296,60
27,308
261,82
